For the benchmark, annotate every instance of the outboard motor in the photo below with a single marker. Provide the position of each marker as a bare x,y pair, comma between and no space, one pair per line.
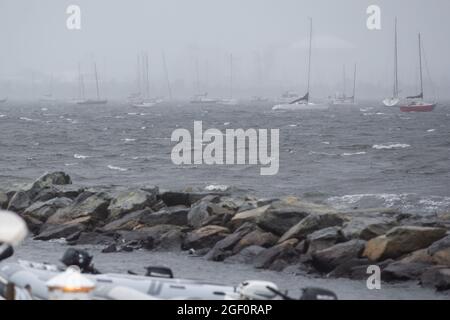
79,258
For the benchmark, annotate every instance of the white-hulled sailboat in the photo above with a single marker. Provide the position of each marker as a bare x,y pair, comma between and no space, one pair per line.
230,101
342,99
146,101
416,103
92,101
395,99
304,103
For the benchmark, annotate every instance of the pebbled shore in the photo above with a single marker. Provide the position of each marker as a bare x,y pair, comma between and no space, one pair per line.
285,234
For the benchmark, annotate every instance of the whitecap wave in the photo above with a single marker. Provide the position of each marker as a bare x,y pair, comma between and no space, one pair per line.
128,140
80,156
391,146
25,119
217,187
431,130
347,154
116,168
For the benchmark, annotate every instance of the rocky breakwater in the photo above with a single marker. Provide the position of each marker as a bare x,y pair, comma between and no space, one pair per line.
278,234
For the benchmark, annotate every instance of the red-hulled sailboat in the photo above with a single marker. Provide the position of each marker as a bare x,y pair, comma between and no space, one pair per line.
416,103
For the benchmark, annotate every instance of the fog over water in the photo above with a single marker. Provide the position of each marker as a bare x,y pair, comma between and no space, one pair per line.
266,37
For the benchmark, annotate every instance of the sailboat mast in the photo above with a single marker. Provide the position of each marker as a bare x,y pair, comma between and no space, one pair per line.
231,76
96,81
354,83
197,76
167,75
396,61
147,81
344,81
309,57
80,82
420,65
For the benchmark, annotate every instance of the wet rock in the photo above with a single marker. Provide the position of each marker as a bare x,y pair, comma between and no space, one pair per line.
328,259
312,223
401,240
93,207
366,228
419,256
164,237
258,238
440,251
201,212
128,222
324,238
177,198
43,210
58,191
400,271
60,231
19,202
283,214
170,215
131,200
205,237
437,278
355,269
4,200
283,251
223,248
246,255
248,216
34,225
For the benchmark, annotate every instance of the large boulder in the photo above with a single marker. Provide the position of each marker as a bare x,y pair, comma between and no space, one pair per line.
47,180
437,278
283,251
246,255
401,240
324,238
223,248
400,271
170,215
283,214
127,201
58,191
205,237
312,223
128,222
258,238
440,251
61,231
19,202
328,259
183,198
368,227
248,216
163,237
43,210
86,205
92,238
207,211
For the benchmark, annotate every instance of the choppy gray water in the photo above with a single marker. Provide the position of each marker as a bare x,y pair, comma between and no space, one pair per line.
187,267
365,156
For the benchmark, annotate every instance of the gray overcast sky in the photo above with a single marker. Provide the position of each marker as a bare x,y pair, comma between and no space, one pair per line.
34,38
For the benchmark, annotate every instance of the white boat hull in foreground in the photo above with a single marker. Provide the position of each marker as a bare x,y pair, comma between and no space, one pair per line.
391,102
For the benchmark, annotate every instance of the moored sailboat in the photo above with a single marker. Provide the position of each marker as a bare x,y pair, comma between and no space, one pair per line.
342,99
417,103
395,99
98,100
304,102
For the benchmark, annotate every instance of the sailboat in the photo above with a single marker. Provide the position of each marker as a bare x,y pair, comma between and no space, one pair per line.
342,99
230,101
259,71
416,103
395,99
48,97
201,98
303,103
91,101
146,102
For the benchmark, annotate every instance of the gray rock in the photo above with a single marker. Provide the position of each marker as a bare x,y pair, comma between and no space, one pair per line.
400,271
256,237
128,222
131,200
93,207
246,255
93,238
328,259
402,240
60,231
324,238
312,223
223,248
283,251
47,181
43,210
368,227
163,237
355,269
19,202
437,278
205,211
4,200
170,215
205,237
440,251
177,198
110,249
